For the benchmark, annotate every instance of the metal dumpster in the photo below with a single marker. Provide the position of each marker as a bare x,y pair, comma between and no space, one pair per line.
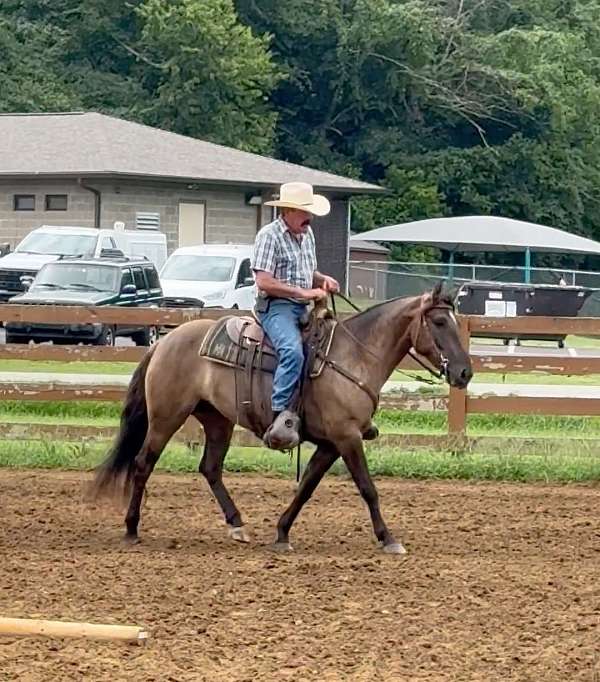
495,299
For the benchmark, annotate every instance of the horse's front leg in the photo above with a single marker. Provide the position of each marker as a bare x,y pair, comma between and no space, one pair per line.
353,454
322,459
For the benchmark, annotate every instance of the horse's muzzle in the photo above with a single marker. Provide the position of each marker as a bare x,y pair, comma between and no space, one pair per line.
460,378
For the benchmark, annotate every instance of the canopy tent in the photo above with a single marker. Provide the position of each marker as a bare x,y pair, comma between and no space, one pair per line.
484,233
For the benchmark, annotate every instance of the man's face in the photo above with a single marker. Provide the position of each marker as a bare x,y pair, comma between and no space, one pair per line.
296,220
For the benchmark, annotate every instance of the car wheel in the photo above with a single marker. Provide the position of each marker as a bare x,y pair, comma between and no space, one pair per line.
153,335
106,338
147,337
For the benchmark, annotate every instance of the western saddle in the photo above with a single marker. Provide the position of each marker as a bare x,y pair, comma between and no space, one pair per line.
246,330
241,343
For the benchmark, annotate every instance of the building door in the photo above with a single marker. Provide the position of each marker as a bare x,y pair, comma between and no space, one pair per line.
192,217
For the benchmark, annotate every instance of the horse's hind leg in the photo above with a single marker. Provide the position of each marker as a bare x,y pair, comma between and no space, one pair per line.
154,443
218,431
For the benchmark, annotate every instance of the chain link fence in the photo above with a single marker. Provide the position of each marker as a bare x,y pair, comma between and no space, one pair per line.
376,281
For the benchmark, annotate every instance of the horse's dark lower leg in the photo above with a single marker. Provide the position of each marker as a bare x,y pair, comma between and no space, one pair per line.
144,465
154,443
355,460
218,431
319,463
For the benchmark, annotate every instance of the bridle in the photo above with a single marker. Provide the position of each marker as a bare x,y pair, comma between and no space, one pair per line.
422,321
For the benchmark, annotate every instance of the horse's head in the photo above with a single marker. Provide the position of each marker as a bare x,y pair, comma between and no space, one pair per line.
435,336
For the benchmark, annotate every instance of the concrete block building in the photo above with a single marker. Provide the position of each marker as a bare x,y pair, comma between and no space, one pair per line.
92,170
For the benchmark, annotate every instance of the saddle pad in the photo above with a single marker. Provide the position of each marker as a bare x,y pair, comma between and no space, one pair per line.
219,347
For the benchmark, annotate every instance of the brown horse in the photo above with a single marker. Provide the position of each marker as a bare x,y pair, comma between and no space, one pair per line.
173,382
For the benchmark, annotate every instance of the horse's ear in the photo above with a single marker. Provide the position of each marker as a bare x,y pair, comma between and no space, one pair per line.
437,293
426,300
452,292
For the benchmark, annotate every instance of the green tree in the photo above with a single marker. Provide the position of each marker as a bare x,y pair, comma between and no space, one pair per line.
30,74
188,66
457,106
88,46
209,75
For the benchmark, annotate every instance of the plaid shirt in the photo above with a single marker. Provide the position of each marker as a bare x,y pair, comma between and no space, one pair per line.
288,259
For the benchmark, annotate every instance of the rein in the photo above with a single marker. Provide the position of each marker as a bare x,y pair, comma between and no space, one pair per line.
415,377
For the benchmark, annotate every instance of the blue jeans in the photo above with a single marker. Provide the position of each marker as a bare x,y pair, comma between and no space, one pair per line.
281,324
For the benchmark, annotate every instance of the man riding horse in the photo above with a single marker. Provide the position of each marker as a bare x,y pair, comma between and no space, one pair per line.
285,266
176,379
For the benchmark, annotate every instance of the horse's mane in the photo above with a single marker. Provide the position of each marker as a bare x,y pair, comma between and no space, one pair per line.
374,311
439,295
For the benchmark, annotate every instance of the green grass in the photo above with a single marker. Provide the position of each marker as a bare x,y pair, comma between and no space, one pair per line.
531,426
85,413
108,414
67,367
571,467
575,463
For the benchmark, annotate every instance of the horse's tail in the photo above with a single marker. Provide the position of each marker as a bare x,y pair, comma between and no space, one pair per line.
114,476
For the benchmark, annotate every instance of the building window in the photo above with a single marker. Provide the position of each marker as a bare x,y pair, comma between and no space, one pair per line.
24,202
56,202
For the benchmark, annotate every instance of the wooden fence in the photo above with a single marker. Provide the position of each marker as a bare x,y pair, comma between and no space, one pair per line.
458,403
462,404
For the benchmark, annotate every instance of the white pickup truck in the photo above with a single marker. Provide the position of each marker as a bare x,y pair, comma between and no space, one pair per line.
48,243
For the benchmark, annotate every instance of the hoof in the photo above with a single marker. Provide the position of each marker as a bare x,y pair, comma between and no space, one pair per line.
282,547
130,540
394,548
239,533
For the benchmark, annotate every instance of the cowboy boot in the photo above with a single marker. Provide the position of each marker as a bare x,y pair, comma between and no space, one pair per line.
283,434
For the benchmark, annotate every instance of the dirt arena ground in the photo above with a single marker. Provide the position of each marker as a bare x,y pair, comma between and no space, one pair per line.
502,583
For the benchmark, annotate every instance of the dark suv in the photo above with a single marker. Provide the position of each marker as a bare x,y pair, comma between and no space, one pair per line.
111,279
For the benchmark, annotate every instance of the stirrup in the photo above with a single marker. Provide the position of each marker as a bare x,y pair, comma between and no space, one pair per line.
283,434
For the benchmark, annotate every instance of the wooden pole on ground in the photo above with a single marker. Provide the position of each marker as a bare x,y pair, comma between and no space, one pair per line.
27,627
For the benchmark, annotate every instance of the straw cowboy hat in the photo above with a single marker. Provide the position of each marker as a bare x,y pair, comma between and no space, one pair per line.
300,195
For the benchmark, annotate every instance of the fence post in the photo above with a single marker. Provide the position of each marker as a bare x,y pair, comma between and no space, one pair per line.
457,403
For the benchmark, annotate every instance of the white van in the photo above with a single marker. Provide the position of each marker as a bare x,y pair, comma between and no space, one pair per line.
219,275
48,243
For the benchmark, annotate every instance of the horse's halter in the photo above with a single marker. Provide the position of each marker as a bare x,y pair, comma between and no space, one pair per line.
426,306
421,321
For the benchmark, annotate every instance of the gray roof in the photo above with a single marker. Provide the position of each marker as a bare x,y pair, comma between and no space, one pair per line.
482,233
362,245
92,144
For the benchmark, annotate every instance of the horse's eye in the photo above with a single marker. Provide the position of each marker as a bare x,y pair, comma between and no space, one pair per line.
440,322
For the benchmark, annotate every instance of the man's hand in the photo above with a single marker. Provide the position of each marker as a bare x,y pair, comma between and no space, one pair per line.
314,294
330,285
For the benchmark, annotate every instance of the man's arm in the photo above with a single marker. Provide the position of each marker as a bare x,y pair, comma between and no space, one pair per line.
266,282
